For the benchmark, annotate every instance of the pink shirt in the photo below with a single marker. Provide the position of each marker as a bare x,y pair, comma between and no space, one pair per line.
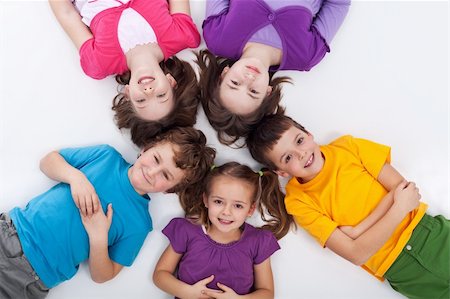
102,55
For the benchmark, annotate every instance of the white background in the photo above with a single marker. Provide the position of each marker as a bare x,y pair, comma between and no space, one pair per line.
386,79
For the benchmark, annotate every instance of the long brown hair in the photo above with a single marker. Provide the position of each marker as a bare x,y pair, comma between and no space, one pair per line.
266,193
230,126
186,97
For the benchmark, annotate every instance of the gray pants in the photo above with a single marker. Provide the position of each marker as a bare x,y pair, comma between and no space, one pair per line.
17,277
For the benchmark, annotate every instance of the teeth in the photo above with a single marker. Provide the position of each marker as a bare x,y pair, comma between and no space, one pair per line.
145,81
309,161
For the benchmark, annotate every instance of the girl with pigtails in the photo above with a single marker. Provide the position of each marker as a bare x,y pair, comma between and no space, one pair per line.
222,256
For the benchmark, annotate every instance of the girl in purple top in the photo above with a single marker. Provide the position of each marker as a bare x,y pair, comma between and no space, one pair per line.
136,40
225,257
248,40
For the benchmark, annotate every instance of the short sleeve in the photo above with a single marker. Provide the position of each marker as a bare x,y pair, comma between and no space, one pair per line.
184,34
89,61
267,245
125,251
176,232
78,157
309,216
373,155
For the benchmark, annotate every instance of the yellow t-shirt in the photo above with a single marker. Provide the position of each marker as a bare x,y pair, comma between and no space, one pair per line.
345,192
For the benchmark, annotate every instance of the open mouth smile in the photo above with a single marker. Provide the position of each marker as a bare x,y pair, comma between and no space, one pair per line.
310,161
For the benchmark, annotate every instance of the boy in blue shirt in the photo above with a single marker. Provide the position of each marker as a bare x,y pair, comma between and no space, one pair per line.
43,244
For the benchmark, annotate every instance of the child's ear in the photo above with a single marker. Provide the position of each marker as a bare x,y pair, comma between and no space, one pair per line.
252,209
224,72
126,92
205,200
269,90
171,80
282,173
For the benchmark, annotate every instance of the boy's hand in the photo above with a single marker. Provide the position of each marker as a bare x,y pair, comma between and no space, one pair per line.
228,293
199,290
84,195
97,225
407,196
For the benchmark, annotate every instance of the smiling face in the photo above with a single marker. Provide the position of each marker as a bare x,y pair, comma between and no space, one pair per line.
151,93
244,86
155,170
229,203
297,154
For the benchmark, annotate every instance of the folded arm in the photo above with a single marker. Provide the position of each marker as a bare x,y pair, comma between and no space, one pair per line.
164,278
101,267
390,178
360,249
84,195
70,20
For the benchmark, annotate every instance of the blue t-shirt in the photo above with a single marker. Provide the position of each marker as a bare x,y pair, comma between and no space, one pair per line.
49,227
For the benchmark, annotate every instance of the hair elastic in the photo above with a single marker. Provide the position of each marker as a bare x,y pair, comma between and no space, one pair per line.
261,173
213,166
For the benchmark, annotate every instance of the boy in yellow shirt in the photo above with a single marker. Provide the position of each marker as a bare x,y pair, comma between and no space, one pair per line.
348,196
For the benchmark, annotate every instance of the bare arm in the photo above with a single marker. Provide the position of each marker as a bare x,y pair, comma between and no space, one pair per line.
55,167
358,251
101,267
179,6
70,20
165,280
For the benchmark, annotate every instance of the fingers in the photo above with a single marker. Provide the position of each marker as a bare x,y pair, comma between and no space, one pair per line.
88,204
207,279
402,185
109,213
224,287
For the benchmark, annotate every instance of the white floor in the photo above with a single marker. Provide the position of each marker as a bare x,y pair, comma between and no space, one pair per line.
386,79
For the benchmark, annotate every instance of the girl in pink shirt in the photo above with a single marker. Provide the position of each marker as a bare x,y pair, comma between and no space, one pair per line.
135,40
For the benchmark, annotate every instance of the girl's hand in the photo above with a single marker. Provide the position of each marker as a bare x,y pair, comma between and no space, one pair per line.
84,195
199,290
97,225
407,196
228,293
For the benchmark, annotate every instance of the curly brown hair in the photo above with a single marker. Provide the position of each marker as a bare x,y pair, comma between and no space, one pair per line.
186,97
266,193
230,126
191,155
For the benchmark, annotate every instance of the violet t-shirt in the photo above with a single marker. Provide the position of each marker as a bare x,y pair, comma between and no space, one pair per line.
232,263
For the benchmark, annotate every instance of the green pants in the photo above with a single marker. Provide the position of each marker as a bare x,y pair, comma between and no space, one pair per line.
422,268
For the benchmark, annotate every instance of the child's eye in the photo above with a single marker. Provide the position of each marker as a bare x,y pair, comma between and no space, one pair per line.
300,140
166,176
156,159
239,206
217,201
287,159
254,91
235,82
140,100
161,95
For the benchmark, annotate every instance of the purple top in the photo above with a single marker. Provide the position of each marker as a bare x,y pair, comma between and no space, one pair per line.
322,18
232,263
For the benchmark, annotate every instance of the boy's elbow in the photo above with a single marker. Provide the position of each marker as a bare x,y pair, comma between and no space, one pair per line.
358,257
